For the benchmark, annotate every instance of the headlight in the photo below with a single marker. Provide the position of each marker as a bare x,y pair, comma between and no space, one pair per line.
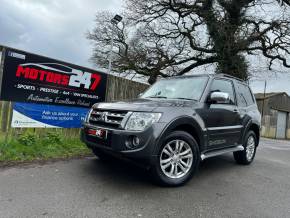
139,121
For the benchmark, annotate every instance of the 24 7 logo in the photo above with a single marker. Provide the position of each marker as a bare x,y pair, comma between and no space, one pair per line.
58,74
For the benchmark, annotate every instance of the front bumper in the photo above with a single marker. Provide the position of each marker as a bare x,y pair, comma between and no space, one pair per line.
116,140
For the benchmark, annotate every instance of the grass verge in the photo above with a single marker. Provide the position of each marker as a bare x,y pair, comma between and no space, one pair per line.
29,147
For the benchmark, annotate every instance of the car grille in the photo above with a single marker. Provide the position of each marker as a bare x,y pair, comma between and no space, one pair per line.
105,118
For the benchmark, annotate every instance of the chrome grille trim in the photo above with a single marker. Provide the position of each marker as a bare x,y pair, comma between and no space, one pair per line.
104,117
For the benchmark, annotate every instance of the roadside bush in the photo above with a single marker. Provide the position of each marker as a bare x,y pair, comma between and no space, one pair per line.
27,139
52,138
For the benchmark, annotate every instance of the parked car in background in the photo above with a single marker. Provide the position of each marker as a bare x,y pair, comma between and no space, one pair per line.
177,123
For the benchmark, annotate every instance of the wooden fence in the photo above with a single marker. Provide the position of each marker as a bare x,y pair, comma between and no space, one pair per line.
117,89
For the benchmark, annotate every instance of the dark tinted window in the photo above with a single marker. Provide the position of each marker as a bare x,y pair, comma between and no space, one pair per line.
245,97
220,85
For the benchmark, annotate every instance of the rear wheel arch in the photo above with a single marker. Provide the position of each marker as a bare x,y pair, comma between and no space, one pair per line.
247,156
255,128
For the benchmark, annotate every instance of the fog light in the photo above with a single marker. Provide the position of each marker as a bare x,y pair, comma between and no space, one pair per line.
132,142
135,141
128,144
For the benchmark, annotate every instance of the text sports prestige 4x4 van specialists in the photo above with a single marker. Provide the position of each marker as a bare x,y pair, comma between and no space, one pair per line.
177,123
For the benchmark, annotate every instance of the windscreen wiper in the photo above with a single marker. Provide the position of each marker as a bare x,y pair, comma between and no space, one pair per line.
156,96
186,99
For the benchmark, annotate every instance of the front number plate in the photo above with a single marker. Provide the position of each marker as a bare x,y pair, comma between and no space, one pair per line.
100,133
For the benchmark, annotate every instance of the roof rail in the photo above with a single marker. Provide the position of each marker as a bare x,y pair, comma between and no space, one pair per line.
230,76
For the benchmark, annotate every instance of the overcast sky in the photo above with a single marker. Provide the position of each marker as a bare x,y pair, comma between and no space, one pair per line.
56,28
53,28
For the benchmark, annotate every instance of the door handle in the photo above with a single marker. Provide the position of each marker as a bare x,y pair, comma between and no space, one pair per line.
235,110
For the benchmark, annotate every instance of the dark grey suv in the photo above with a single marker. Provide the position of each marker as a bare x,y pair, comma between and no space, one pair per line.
177,123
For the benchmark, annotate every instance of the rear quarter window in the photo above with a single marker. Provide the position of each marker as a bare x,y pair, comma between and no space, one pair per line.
244,95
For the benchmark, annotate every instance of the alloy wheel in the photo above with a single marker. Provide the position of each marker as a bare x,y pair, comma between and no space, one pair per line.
176,159
250,148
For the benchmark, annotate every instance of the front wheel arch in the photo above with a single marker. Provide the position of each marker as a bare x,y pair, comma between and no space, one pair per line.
159,176
186,124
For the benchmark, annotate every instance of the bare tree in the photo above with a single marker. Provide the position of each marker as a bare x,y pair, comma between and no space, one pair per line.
136,50
172,37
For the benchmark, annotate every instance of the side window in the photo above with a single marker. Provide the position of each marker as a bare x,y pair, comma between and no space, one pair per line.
221,85
245,97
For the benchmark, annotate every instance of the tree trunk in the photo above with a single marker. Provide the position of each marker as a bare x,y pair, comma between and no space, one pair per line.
152,79
224,36
234,65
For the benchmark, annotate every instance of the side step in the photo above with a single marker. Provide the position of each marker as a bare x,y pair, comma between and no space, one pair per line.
221,151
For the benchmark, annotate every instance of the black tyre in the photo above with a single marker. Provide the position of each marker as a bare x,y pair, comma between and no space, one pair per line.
101,154
247,156
177,160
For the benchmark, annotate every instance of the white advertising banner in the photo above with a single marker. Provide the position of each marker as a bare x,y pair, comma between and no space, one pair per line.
29,115
22,121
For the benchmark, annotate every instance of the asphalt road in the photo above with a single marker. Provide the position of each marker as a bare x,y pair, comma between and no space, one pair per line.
91,188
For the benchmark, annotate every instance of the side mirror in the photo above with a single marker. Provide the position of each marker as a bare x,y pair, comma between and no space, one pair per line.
140,95
220,97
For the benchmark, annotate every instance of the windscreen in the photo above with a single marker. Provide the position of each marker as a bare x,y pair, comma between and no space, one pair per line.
190,88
